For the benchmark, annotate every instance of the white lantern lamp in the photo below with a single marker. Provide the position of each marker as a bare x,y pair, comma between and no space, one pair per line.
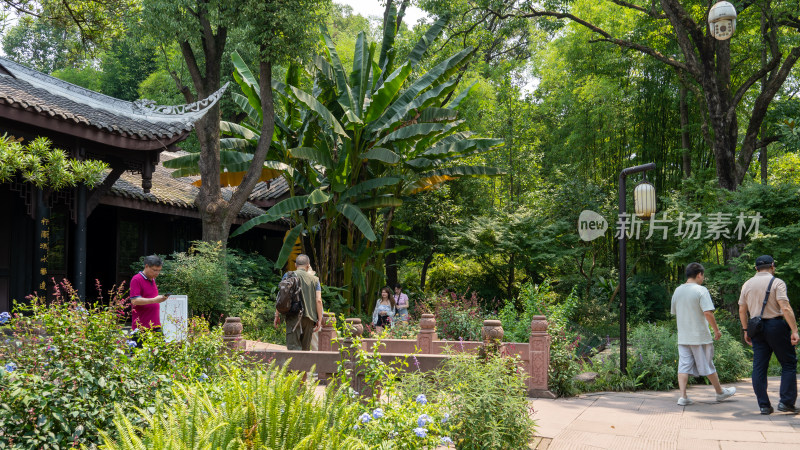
722,20
644,199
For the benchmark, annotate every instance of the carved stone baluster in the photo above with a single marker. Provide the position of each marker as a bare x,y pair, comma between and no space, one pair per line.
327,333
232,333
427,334
539,358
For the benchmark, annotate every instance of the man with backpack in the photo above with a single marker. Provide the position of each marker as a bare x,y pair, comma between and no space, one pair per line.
299,303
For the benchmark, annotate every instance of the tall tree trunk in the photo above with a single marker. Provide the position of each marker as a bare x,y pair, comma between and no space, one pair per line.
425,264
391,260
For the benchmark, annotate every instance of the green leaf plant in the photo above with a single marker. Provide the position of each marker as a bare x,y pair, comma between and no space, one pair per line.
355,147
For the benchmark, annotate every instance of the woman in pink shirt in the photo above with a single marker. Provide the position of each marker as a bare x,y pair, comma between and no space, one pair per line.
145,300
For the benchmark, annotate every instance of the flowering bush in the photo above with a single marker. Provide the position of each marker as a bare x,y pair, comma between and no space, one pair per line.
486,400
408,424
457,317
67,365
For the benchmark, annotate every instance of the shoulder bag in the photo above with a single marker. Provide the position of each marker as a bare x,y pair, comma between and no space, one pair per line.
755,326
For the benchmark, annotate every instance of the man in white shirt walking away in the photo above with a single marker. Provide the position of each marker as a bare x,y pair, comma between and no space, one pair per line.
694,311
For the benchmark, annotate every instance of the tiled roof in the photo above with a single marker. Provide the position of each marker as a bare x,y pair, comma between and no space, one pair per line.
275,189
34,91
168,191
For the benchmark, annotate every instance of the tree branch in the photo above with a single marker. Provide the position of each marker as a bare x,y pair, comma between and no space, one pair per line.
747,84
253,174
606,36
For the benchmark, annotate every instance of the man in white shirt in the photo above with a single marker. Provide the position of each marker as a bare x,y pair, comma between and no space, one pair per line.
694,311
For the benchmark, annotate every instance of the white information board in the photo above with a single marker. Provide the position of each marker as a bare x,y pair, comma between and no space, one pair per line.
174,317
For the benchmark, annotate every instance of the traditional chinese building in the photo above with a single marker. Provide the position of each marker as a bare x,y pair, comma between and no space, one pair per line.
86,235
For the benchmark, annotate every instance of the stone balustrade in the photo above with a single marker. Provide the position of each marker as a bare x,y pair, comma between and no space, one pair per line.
429,352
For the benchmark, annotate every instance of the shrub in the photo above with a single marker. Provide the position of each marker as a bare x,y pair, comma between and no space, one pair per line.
655,356
541,300
487,400
246,409
200,274
257,322
457,318
65,383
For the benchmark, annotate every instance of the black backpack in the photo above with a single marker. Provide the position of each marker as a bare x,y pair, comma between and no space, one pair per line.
290,295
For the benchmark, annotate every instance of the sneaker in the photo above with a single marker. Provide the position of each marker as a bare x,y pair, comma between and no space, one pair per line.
787,408
728,392
683,401
767,411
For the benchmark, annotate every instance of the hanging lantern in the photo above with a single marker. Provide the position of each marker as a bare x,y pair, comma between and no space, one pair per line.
644,200
722,20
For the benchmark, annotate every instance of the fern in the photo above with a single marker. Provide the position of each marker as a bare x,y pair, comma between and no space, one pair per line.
270,409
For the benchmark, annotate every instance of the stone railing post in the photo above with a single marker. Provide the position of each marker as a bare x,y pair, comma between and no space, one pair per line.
351,360
492,333
539,358
327,333
427,334
232,333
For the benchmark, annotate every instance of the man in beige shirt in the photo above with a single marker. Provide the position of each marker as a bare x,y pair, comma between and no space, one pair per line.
779,336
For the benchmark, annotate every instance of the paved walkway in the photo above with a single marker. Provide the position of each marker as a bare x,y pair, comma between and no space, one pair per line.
653,420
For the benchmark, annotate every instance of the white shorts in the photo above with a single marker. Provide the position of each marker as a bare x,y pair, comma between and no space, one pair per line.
696,360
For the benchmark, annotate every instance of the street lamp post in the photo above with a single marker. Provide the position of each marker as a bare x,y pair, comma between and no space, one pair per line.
623,268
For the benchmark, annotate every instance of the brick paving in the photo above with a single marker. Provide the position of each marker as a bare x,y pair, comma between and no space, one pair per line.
653,420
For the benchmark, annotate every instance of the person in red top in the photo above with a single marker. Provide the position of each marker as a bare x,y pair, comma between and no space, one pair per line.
145,299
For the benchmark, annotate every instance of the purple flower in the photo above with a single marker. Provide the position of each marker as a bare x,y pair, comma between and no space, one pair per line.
131,344
424,420
365,418
446,440
416,361
202,377
4,317
421,399
420,432
445,418
10,367
378,413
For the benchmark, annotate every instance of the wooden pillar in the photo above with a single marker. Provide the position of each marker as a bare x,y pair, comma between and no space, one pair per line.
79,238
42,242
539,359
427,334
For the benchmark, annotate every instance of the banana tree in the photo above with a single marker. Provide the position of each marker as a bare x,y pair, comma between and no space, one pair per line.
370,138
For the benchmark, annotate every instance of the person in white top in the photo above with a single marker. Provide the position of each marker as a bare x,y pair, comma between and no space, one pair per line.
694,311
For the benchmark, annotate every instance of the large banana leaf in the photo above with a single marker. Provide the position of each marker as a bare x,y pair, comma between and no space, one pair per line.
414,132
434,114
425,41
318,156
318,196
401,111
386,56
368,185
280,209
380,202
235,129
461,147
457,101
381,154
354,214
388,90
431,78
338,70
360,75
289,242
242,102
247,82
319,109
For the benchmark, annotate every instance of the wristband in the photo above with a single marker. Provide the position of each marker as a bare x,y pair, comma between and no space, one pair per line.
744,329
